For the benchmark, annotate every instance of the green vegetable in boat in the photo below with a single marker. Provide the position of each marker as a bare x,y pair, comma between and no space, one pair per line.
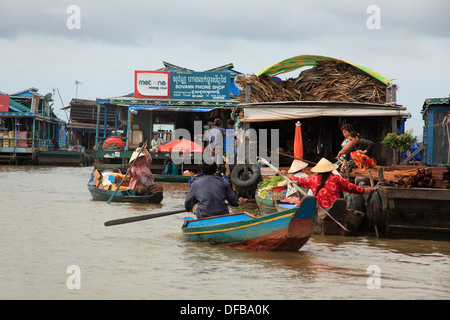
267,184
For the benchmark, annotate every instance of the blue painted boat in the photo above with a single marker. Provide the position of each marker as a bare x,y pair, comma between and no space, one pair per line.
286,230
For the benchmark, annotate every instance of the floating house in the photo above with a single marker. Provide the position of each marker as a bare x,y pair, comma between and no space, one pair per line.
29,129
436,131
332,92
82,123
172,102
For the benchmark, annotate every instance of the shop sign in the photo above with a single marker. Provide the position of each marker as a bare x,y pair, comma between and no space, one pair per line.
200,85
152,84
4,103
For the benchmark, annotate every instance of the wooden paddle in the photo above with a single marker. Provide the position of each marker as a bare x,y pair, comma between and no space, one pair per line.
143,217
123,179
300,189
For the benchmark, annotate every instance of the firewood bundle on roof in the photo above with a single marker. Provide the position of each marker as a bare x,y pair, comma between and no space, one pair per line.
326,81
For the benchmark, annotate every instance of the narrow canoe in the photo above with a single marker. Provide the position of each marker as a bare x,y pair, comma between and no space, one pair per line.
286,230
123,196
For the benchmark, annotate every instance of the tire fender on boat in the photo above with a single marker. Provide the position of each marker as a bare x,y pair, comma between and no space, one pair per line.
239,182
374,211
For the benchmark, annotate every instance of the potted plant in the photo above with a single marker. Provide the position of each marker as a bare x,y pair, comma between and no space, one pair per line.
399,142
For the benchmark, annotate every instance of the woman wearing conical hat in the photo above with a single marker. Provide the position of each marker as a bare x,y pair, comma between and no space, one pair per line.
141,177
326,185
296,170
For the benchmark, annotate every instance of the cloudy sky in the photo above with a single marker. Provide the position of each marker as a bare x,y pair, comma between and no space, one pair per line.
47,45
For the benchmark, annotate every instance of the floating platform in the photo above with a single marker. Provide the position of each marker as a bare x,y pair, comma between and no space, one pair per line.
415,211
61,158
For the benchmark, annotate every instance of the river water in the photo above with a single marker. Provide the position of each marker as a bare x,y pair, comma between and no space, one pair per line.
54,245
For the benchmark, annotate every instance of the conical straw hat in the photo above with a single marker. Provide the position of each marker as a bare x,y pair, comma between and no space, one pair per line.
297,165
135,155
323,166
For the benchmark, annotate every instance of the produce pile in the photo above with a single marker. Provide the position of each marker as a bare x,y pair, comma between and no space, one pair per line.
326,81
267,184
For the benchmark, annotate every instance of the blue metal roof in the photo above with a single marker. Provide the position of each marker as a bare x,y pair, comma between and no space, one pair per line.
27,93
136,108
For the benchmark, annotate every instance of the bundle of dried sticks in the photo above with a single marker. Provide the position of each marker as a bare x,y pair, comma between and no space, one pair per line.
327,81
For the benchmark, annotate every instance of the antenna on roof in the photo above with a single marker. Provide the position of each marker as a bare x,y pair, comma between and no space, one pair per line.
76,84
62,103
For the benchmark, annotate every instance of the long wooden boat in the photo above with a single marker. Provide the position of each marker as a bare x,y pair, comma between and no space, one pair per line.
171,178
123,196
286,230
350,219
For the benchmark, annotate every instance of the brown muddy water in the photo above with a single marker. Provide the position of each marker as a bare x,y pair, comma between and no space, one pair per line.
53,245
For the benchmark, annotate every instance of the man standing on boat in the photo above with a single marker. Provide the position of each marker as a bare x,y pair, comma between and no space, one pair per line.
207,195
216,140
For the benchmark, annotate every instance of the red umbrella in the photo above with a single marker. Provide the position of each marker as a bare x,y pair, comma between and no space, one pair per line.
181,145
298,141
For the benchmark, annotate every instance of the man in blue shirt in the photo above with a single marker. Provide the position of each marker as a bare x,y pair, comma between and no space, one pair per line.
207,195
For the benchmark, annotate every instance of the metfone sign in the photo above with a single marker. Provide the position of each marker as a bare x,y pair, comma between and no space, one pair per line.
152,84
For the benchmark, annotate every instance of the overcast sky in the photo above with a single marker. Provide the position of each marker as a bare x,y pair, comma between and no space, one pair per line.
42,44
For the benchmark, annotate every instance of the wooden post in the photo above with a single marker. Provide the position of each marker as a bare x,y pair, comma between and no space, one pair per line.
97,145
248,90
394,130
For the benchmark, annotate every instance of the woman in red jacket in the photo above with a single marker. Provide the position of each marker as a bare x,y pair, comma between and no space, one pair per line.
326,185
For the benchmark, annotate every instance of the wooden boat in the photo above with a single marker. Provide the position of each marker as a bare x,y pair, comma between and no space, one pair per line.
123,196
286,230
265,205
350,219
171,178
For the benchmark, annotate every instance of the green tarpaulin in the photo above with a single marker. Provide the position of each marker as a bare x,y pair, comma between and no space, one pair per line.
306,60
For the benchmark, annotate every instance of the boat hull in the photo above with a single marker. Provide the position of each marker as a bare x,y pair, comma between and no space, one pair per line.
266,206
105,195
286,230
171,178
350,219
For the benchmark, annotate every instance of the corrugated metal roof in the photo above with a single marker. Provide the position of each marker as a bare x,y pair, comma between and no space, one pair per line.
16,106
136,108
27,93
437,101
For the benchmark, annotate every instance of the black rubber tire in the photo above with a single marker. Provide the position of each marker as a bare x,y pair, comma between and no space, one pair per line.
358,202
375,211
238,182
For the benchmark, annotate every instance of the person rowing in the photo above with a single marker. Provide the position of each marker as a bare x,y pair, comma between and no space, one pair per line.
326,184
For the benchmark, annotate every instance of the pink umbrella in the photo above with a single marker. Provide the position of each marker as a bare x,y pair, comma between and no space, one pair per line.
298,141
181,145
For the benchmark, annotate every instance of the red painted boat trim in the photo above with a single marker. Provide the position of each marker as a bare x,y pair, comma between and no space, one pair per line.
288,239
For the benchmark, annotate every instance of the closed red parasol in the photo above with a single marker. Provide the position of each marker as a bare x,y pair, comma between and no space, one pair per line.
298,141
181,145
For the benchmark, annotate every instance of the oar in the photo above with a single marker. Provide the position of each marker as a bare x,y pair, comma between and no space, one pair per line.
299,189
290,156
143,217
123,179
